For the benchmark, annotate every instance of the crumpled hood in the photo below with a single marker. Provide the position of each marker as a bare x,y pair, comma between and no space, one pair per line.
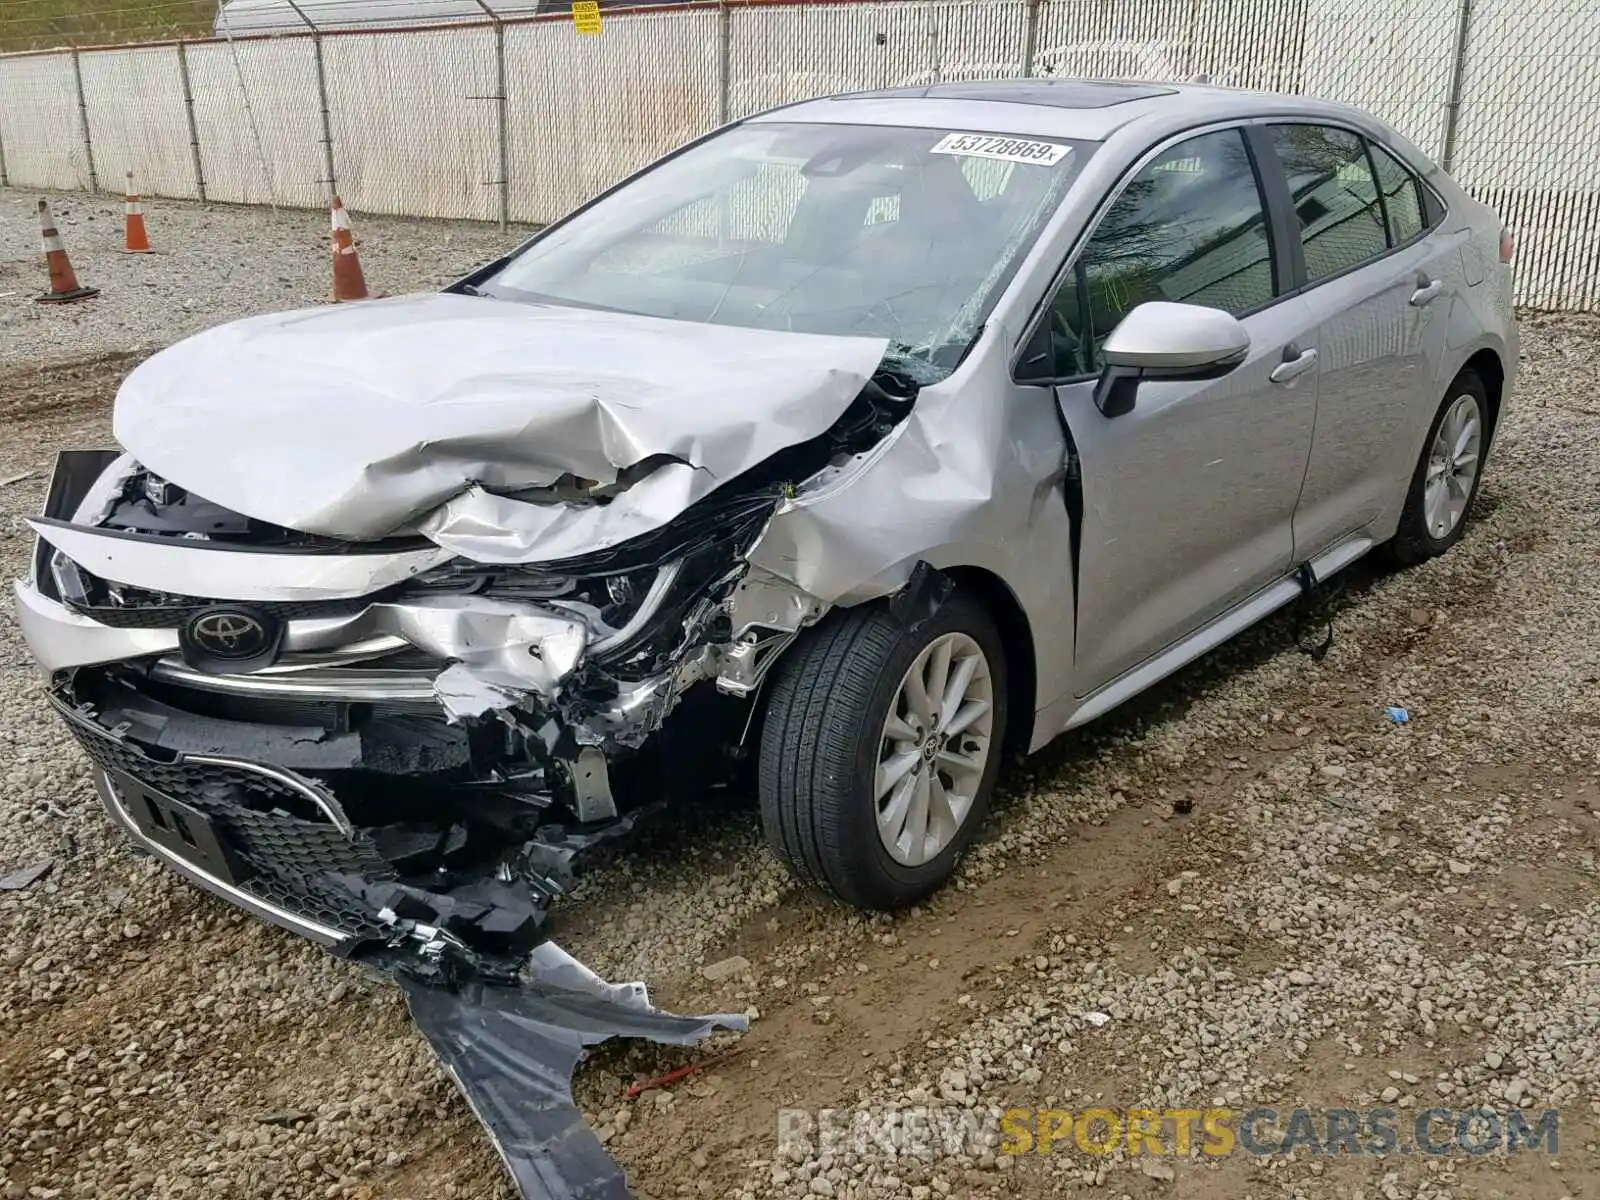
359,421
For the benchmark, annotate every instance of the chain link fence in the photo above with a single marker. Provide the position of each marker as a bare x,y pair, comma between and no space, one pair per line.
520,120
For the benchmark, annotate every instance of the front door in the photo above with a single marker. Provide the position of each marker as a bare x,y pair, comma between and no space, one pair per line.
1188,499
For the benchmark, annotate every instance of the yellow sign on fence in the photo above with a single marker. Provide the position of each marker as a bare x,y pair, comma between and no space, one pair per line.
586,16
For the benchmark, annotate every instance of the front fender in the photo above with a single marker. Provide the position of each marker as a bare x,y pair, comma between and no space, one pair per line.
971,478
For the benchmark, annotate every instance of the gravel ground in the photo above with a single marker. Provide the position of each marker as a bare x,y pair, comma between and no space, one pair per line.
215,263
1355,913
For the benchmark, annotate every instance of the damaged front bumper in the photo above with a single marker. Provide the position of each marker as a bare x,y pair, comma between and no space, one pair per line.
366,866
406,770
509,1013
381,750
385,687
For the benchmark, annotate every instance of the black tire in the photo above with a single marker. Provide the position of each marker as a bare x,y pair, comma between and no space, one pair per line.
1413,540
828,700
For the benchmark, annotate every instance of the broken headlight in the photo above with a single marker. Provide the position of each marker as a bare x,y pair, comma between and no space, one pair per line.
87,593
507,583
612,604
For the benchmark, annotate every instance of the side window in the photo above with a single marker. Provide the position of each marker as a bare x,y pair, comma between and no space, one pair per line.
1190,227
1402,196
1335,197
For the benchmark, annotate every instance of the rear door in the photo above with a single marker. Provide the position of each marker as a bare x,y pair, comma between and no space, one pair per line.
1381,286
1188,498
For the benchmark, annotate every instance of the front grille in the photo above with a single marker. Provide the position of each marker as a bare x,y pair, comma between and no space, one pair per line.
269,823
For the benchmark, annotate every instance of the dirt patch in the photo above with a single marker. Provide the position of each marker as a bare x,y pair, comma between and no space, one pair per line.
49,394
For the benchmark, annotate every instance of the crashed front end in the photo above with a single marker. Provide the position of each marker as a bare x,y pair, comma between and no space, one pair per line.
365,743
389,673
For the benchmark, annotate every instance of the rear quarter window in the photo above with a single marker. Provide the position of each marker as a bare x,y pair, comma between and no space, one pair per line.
1402,196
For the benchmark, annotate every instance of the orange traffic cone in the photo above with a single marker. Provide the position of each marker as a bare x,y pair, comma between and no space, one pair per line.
348,282
135,240
64,287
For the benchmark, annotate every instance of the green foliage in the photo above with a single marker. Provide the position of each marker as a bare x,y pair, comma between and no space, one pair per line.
41,24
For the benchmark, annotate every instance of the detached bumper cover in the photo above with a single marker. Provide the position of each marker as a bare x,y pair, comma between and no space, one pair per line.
512,1051
253,813
281,864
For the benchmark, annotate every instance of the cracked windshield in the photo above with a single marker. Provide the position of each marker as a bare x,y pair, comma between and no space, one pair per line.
904,234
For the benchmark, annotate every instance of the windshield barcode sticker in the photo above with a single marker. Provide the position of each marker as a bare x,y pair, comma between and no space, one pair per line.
1007,149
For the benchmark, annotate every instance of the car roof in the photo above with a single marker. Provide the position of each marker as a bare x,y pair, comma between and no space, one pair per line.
1083,109
1052,93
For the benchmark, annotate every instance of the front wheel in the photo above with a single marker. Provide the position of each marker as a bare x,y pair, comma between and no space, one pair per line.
880,750
1446,478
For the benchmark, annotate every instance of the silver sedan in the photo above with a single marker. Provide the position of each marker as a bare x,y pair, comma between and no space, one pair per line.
859,442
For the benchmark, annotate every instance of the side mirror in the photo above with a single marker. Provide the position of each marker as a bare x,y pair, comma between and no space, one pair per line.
1160,340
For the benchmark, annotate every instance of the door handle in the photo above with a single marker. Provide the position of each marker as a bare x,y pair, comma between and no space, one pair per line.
1426,291
1296,362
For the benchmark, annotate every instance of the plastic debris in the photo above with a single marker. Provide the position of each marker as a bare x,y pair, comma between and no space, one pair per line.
511,1051
25,877
1397,715
634,1090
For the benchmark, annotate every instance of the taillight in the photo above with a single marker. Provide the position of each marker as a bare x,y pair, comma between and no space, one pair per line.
1508,245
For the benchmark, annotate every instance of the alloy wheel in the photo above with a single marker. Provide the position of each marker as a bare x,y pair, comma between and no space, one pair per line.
1453,463
934,746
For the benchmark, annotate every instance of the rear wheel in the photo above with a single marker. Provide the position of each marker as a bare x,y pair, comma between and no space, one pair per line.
1447,475
880,750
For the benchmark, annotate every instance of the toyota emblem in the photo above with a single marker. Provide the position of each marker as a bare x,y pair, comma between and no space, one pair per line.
231,633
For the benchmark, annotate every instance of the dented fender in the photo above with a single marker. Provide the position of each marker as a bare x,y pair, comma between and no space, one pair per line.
972,478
